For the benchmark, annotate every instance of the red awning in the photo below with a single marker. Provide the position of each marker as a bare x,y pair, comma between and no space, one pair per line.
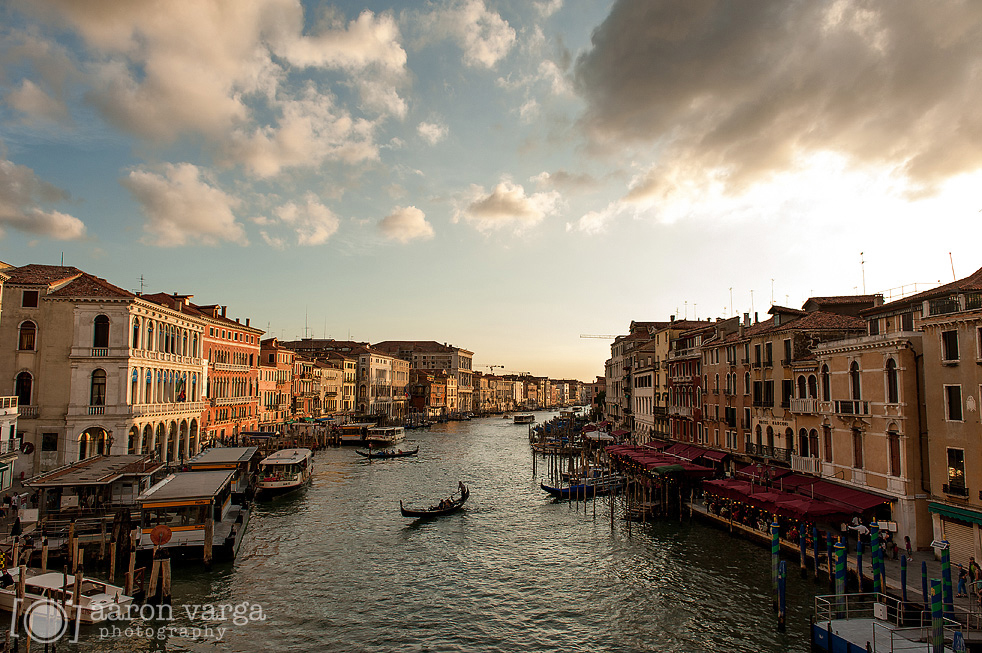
691,453
858,500
620,433
676,448
715,455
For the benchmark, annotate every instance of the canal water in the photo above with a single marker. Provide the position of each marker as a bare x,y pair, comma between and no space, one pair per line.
336,568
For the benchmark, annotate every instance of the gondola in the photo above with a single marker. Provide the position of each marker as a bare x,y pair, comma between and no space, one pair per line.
372,455
445,507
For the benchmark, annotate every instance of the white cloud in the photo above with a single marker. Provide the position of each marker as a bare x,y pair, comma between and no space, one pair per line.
506,207
184,205
367,41
34,103
432,133
483,35
405,224
547,8
21,192
311,130
312,222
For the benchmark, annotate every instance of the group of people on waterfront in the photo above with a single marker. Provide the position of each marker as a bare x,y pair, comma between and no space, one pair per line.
970,580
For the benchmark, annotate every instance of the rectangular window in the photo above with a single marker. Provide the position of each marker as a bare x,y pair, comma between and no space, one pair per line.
956,470
787,391
757,355
769,393
828,443
49,442
857,448
953,401
907,322
29,299
787,351
949,345
768,354
874,327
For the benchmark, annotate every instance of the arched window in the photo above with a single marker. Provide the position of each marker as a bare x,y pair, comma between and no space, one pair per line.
801,387
770,436
827,436
97,392
184,344
194,345
812,387
28,331
803,448
746,383
100,331
854,382
826,384
893,391
149,342
857,448
135,387
23,387
136,333
759,442
148,388
813,443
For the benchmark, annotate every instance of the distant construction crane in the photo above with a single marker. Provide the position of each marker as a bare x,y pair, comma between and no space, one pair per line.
591,335
491,367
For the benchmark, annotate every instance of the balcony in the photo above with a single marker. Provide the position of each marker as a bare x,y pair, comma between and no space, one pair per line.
769,362
756,365
767,451
786,362
804,406
29,412
681,411
853,407
9,446
97,410
100,351
806,464
943,306
955,489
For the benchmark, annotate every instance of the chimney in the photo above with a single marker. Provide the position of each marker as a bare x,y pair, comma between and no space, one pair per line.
247,321
740,328
671,318
756,319
746,319
236,320
223,310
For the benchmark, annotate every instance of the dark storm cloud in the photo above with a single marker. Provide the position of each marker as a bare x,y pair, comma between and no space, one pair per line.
743,88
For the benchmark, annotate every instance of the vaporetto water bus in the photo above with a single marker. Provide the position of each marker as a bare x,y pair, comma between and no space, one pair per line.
283,471
385,435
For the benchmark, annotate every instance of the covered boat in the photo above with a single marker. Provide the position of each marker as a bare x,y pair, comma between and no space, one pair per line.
283,471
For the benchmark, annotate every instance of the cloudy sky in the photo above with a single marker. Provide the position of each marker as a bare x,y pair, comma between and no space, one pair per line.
499,175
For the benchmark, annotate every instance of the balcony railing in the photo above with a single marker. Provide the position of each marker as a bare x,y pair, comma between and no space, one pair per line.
100,351
9,446
97,410
682,411
29,412
943,306
806,464
769,362
767,451
804,406
853,407
954,489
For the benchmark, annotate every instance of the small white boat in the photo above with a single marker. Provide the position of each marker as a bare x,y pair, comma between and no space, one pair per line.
285,470
524,419
385,435
98,600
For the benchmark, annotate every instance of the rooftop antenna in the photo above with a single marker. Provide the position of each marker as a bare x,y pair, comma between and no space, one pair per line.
953,277
731,302
695,313
63,259
751,301
686,317
772,292
141,283
862,266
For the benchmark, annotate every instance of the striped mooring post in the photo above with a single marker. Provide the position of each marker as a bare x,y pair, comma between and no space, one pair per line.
775,559
924,587
949,600
874,539
903,577
840,579
802,549
859,563
937,617
782,578
815,545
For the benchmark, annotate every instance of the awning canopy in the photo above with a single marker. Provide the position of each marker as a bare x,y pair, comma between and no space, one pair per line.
715,456
784,504
956,512
762,472
858,500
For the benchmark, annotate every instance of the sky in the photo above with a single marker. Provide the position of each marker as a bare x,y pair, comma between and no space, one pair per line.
503,176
